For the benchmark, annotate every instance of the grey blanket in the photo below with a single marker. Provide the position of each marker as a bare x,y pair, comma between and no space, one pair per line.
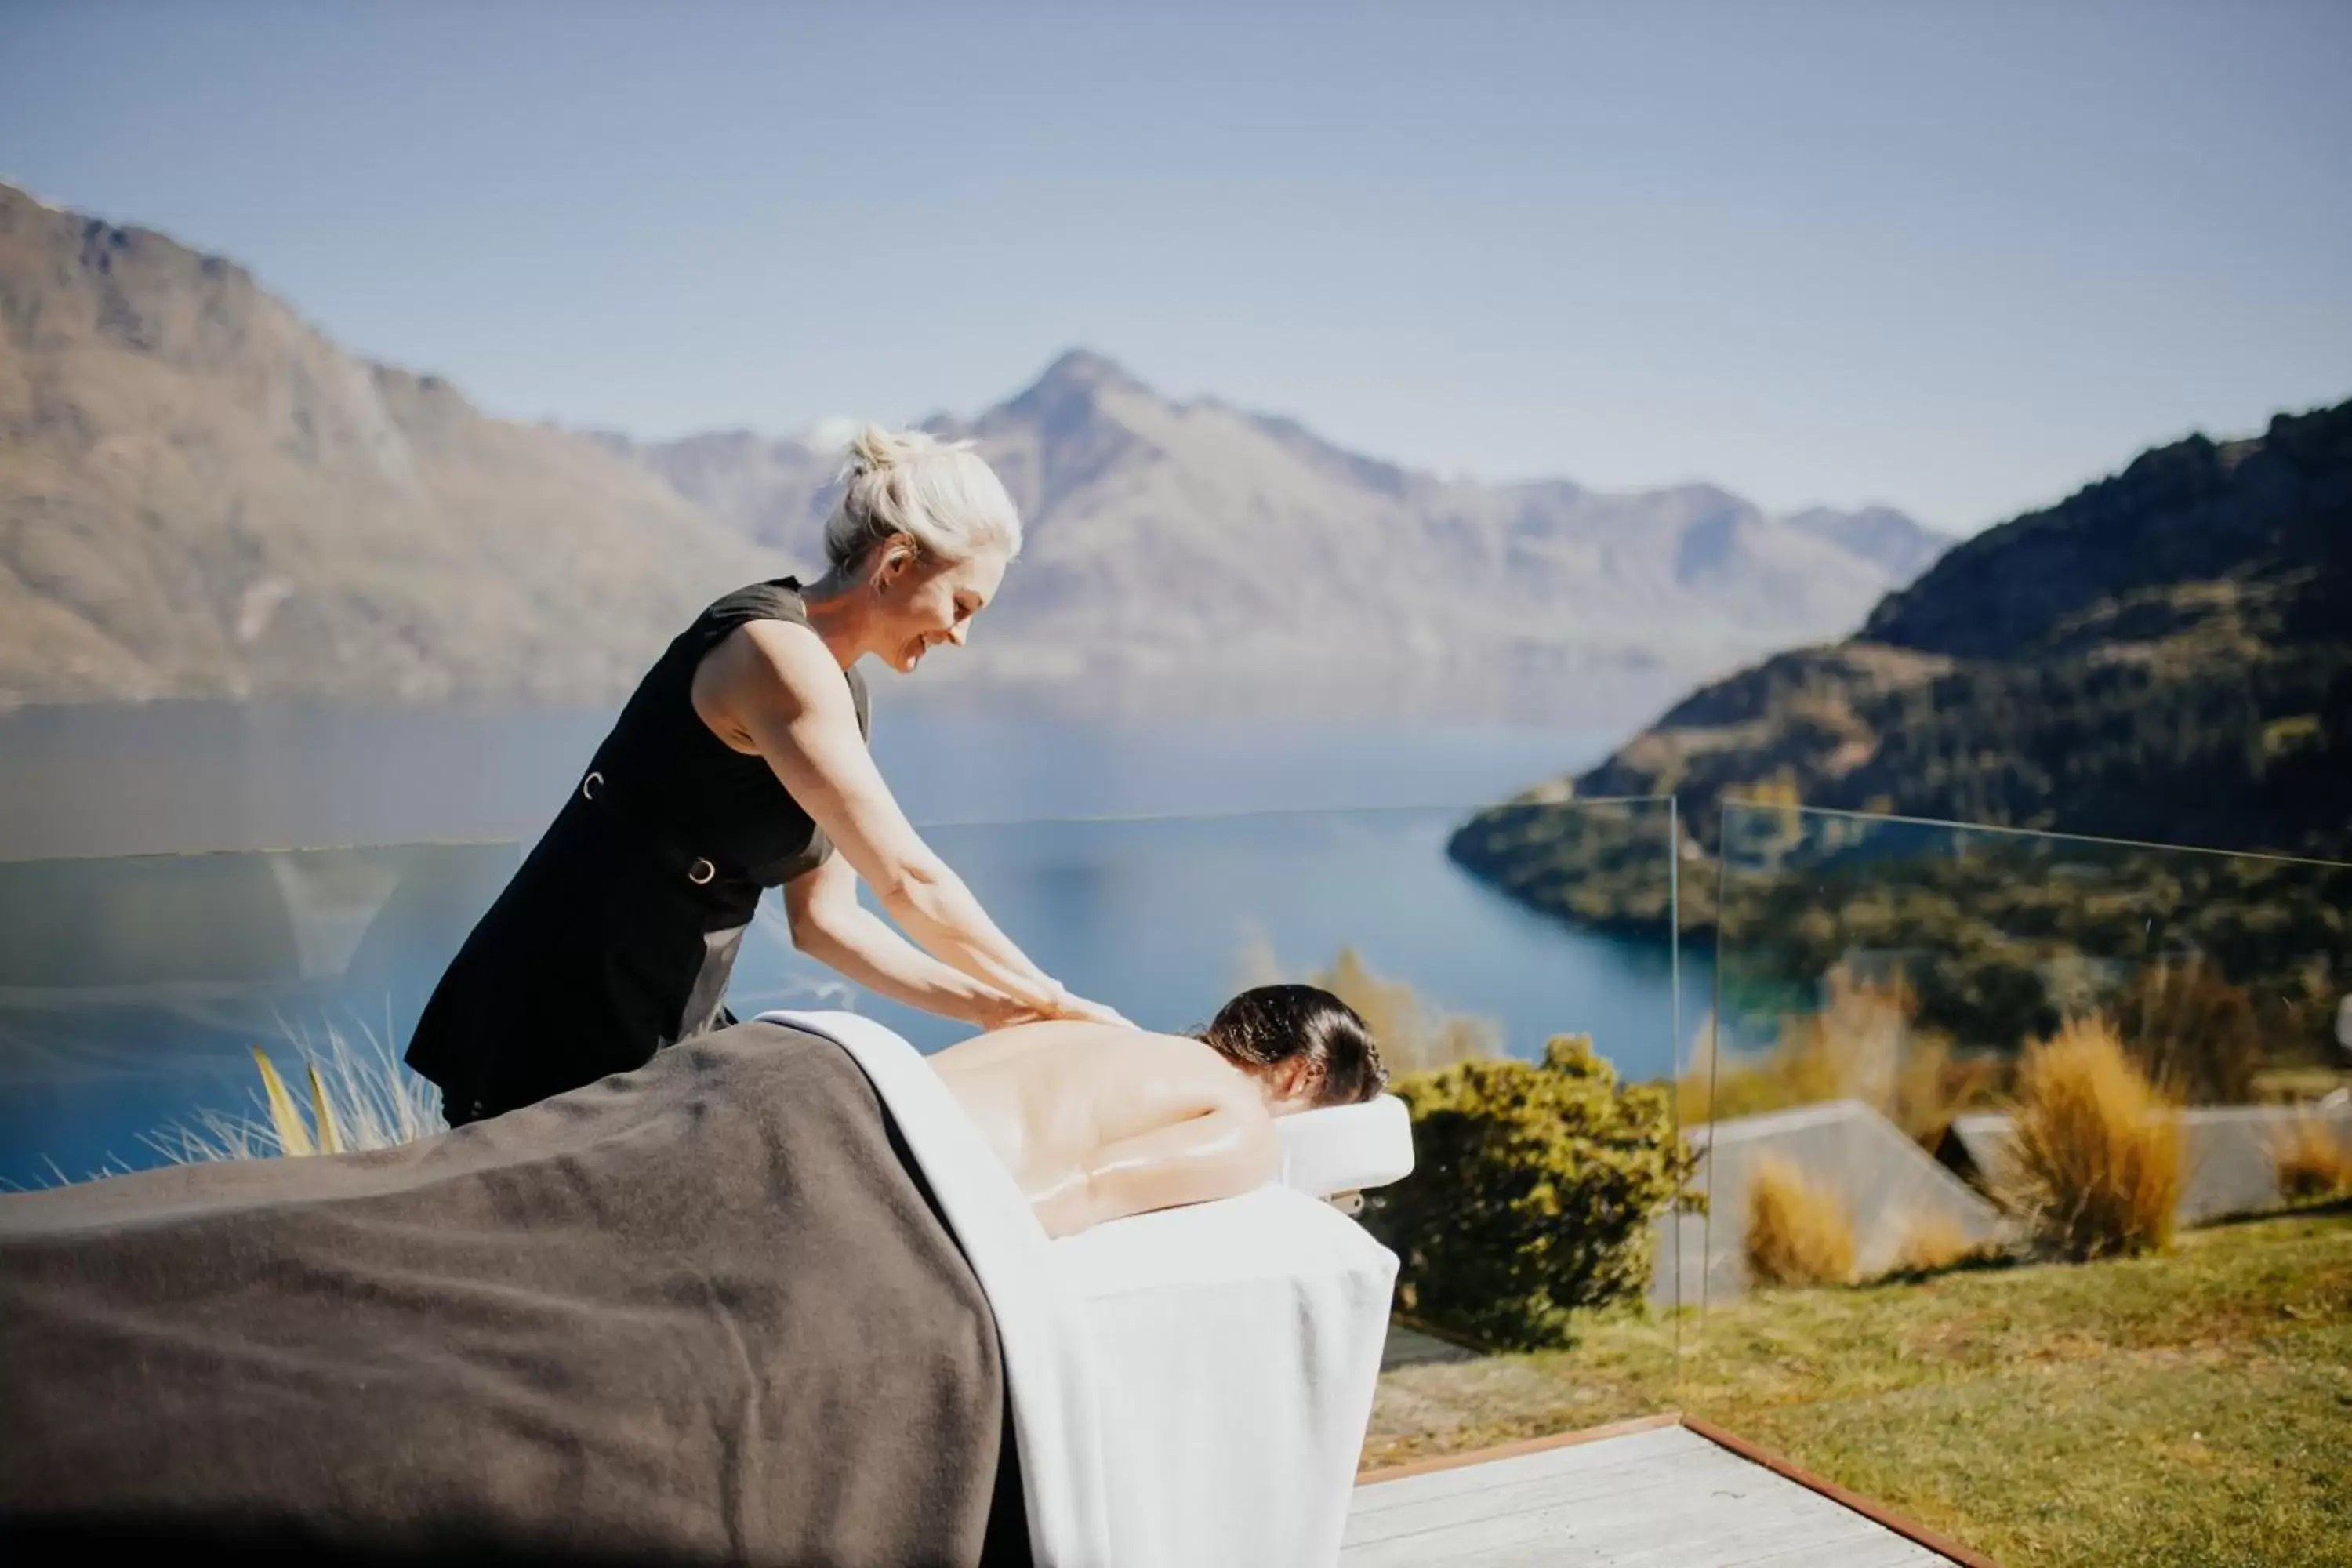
702,1312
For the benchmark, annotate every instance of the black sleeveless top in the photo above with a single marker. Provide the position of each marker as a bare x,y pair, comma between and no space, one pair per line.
619,933
663,766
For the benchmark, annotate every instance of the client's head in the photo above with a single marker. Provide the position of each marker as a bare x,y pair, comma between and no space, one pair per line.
1305,1046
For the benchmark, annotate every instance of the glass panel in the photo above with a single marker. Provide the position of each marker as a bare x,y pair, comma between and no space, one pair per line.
1881,982
1608,873
132,990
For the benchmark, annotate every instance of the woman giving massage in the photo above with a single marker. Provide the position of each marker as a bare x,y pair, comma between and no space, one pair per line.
739,764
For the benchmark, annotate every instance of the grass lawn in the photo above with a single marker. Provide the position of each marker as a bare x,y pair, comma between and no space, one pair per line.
2194,1407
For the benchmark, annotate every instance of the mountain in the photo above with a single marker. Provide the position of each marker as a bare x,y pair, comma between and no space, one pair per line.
1193,552
1900,546
774,493
2166,655
201,496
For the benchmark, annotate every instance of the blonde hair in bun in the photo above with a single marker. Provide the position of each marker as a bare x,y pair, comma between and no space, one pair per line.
940,494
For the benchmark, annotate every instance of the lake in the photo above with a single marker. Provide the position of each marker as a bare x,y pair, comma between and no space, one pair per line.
186,880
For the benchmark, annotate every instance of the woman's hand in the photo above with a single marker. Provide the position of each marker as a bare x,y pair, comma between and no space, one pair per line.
997,1011
1077,1008
1056,1004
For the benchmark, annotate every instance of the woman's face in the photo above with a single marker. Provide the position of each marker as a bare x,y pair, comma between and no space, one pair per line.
920,604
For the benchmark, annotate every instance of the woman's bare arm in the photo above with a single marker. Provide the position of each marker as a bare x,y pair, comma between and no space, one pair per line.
775,685
830,926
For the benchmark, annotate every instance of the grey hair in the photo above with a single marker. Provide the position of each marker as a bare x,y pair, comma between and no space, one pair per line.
940,494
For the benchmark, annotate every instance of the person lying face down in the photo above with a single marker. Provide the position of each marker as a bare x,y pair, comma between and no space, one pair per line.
1096,1121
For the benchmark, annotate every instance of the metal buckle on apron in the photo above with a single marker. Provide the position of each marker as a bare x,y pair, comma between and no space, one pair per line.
702,870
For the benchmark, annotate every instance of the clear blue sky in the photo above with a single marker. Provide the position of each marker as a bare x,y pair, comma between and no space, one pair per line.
1958,258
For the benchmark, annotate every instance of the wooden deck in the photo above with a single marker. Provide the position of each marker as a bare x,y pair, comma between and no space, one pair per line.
1660,1494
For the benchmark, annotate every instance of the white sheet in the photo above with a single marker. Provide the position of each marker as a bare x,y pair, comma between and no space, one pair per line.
1239,1343
1190,1388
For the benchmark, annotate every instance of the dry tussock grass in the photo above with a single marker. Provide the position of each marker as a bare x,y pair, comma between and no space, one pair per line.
2312,1159
1934,1242
1860,1045
1797,1233
2095,1162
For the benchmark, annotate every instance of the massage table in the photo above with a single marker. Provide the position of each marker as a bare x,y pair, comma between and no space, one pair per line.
1190,1388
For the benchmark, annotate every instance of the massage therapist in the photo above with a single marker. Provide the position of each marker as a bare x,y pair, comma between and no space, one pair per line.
739,765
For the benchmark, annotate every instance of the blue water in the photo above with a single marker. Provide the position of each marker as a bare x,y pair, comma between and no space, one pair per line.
134,984
1157,918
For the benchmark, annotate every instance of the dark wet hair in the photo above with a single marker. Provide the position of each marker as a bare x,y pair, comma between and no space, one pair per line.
1270,1025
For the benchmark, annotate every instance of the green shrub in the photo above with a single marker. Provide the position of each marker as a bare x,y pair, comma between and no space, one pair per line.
1532,1191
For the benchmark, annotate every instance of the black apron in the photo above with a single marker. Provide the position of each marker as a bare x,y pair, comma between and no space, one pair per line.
619,933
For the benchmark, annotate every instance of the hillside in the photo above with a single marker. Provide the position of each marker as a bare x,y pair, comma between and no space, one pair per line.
201,496
1195,553
2166,655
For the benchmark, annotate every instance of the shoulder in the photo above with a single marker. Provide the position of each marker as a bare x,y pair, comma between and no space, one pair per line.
778,599
1206,1074
789,650
756,625
772,666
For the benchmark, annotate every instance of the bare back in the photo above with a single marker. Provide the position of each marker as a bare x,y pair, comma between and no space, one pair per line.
1096,1121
